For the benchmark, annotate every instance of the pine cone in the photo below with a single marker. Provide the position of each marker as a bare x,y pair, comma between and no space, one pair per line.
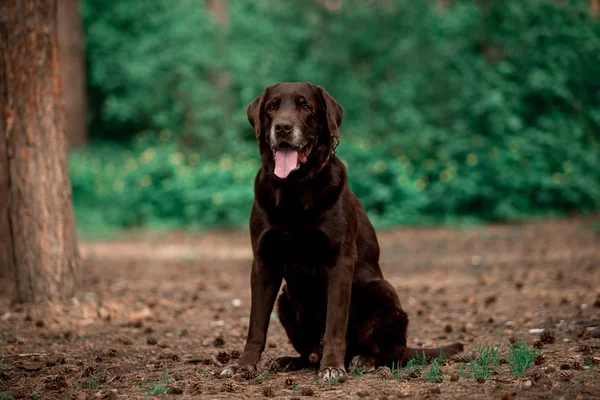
539,360
535,374
565,375
268,392
223,357
385,372
547,337
248,375
228,387
289,382
413,373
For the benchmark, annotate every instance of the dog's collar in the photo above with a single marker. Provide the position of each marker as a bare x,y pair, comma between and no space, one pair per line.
331,154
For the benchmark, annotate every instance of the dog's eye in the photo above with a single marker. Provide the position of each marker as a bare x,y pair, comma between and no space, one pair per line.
270,108
305,108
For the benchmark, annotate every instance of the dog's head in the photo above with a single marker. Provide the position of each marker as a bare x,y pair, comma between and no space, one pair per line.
296,124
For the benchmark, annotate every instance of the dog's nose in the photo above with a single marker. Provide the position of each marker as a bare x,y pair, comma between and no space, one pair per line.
283,126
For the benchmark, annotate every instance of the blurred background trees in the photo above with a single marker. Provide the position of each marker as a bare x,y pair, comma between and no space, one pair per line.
456,110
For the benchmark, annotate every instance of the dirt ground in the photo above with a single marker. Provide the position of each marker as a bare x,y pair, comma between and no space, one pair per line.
163,313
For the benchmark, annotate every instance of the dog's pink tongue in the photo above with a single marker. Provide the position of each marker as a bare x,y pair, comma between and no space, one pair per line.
286,160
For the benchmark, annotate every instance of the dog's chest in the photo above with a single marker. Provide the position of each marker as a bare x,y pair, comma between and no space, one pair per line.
303,250
306,282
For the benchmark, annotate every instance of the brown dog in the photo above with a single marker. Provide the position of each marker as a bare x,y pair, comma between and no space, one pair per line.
309,228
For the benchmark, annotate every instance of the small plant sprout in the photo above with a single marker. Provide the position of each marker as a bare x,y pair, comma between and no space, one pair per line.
153,389
396,371
589,362
521,357
436,375
166,378
419,360
462,372
264,376
485,363
95,380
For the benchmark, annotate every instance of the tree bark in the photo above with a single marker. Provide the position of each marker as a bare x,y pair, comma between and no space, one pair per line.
218,9
37,221
6,255
595,5
72,71
444,4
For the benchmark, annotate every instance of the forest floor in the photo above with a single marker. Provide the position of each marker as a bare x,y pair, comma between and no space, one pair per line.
160,314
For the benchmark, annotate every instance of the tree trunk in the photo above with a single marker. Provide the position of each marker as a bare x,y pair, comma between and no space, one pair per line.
6,255
595,5
72,71
444,4
218,9
36,213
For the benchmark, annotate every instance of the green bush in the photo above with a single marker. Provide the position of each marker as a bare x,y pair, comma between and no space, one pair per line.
160,184
489,110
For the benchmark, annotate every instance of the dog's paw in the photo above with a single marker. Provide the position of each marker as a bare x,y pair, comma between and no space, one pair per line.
331,374
235,368
287,364
362,363
230,370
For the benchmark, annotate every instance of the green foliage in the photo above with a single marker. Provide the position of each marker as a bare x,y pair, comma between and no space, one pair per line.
419,360
462,372
152,388
149,66
93,381
481,112
436,374
485,363
396,371
6,396
264,376
488,358
521,357
590,375
160,185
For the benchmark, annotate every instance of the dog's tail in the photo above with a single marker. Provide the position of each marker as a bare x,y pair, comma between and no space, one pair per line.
426,356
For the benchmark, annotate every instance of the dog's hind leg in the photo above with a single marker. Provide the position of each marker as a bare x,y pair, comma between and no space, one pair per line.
377,326
378,330
304,331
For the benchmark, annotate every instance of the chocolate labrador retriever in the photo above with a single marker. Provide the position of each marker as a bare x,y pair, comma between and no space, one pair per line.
308,228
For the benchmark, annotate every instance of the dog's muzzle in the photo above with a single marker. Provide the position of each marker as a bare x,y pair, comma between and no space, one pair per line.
290,150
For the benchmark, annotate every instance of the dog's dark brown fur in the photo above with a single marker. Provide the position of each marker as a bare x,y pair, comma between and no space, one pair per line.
310,230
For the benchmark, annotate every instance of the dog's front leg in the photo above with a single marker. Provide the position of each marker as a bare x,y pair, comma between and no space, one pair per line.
339,287
264,285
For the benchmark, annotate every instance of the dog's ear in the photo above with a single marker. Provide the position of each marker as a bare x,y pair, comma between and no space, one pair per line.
253,113
255,109
334,112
